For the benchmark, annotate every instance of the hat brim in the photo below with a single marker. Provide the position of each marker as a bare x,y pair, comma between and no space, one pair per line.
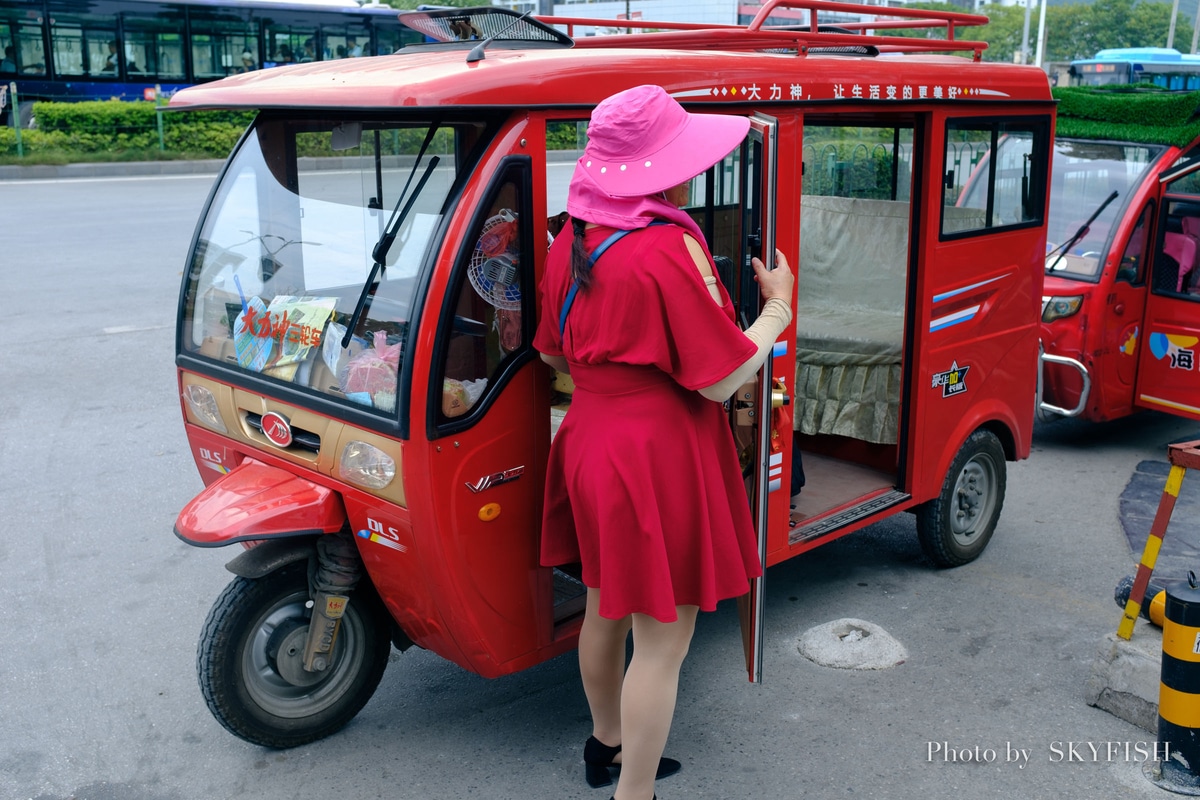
702,142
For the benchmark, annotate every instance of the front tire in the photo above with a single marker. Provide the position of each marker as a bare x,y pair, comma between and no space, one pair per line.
956,526
250,654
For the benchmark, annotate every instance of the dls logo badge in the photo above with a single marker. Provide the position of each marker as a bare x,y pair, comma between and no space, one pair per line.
276,428
495,479
953,381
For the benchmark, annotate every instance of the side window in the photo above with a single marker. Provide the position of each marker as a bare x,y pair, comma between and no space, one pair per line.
221,48
84,45
154,47
1177,259
1132,268
487,325
993,175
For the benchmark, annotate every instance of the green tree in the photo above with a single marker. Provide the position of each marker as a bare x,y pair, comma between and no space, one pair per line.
1002,33
1073,30
1076,30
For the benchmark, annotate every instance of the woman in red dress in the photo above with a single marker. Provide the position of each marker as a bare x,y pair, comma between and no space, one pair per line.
644,487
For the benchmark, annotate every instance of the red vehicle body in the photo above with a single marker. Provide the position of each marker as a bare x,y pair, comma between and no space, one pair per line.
1121,312
354,356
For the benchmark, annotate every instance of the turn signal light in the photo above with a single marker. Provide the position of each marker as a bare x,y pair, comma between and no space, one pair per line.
366,465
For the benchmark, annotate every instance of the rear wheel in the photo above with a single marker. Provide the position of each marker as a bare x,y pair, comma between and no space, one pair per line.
250,661
955,527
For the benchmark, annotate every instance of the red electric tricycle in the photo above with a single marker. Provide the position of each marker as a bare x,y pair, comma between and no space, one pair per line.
357,380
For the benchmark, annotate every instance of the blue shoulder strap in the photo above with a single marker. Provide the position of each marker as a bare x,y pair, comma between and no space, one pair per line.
599,251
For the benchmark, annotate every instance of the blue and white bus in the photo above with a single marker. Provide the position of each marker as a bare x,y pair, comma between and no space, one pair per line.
1162,66
102,49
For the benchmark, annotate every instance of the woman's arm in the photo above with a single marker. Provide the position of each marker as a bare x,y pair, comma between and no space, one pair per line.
558,362
777,286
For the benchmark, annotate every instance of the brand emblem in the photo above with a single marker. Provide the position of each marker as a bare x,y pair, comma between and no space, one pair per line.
495,479
953,381
276,428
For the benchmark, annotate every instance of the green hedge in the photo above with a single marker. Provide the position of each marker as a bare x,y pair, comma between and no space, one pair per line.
116,130
1139,113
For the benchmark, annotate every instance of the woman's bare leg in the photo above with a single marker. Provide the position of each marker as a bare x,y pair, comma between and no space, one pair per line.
602,667
648,697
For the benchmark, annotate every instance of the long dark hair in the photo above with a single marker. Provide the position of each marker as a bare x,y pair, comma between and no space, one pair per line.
581,270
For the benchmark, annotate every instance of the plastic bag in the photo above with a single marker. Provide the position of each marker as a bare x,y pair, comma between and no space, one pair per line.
373,372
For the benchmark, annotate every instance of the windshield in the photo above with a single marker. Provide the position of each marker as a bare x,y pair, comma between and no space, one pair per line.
286,249
1085,174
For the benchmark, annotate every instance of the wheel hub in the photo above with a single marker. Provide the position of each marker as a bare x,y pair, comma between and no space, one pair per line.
286,652
970,494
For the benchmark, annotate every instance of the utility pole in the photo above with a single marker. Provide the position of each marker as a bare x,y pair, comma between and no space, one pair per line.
1041,39
1171,30
1025,33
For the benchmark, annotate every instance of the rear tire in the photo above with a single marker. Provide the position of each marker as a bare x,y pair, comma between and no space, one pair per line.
955,527
249,656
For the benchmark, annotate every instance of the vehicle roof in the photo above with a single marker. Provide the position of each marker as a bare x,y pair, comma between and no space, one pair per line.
432,78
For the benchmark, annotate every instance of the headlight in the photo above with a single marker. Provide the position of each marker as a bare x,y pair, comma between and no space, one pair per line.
1059,307
204,406
366,465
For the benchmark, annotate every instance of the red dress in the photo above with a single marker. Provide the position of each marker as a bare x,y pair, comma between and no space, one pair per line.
644,485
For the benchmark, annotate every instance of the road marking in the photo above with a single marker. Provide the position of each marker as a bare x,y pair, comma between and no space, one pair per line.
133,328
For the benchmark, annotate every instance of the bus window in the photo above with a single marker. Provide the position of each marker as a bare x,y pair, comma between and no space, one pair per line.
343,41
388,39
220,47
991,178
288,44
154,47
20,46
84,45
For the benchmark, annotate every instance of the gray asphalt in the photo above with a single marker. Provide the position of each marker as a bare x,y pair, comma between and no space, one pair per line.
101,606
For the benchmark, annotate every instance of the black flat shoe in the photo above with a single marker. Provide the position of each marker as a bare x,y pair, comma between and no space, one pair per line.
598,763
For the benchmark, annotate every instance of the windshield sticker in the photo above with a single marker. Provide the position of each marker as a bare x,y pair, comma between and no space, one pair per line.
277,338
1178,349
953,381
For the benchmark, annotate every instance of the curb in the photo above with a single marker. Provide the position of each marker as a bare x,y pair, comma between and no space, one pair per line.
110,169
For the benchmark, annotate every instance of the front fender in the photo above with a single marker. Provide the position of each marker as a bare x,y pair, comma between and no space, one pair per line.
256,501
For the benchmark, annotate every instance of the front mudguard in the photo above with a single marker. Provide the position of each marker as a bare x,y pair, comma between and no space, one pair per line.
254,502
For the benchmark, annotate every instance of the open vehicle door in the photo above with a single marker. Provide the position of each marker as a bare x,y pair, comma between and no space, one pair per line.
1167,378
757,168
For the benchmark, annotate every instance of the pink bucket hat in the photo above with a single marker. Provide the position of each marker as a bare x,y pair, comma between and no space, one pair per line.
642,142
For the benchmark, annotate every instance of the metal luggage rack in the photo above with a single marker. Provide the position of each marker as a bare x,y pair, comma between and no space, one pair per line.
503,28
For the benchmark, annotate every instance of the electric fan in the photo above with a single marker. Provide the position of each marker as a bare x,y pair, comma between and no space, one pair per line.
495,269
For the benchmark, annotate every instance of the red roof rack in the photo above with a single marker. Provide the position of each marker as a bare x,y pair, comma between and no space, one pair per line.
814,37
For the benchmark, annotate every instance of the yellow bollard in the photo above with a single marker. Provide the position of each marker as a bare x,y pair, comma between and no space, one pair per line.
1179,692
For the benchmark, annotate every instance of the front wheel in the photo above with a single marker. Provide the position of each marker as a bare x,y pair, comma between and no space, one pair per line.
955,527
250,661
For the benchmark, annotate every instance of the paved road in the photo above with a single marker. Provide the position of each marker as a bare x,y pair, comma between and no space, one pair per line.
101,606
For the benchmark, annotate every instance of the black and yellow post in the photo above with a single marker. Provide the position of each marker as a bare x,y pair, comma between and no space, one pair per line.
1179,691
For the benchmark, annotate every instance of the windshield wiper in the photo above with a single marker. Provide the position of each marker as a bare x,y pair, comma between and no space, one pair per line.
380,250
1079,234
